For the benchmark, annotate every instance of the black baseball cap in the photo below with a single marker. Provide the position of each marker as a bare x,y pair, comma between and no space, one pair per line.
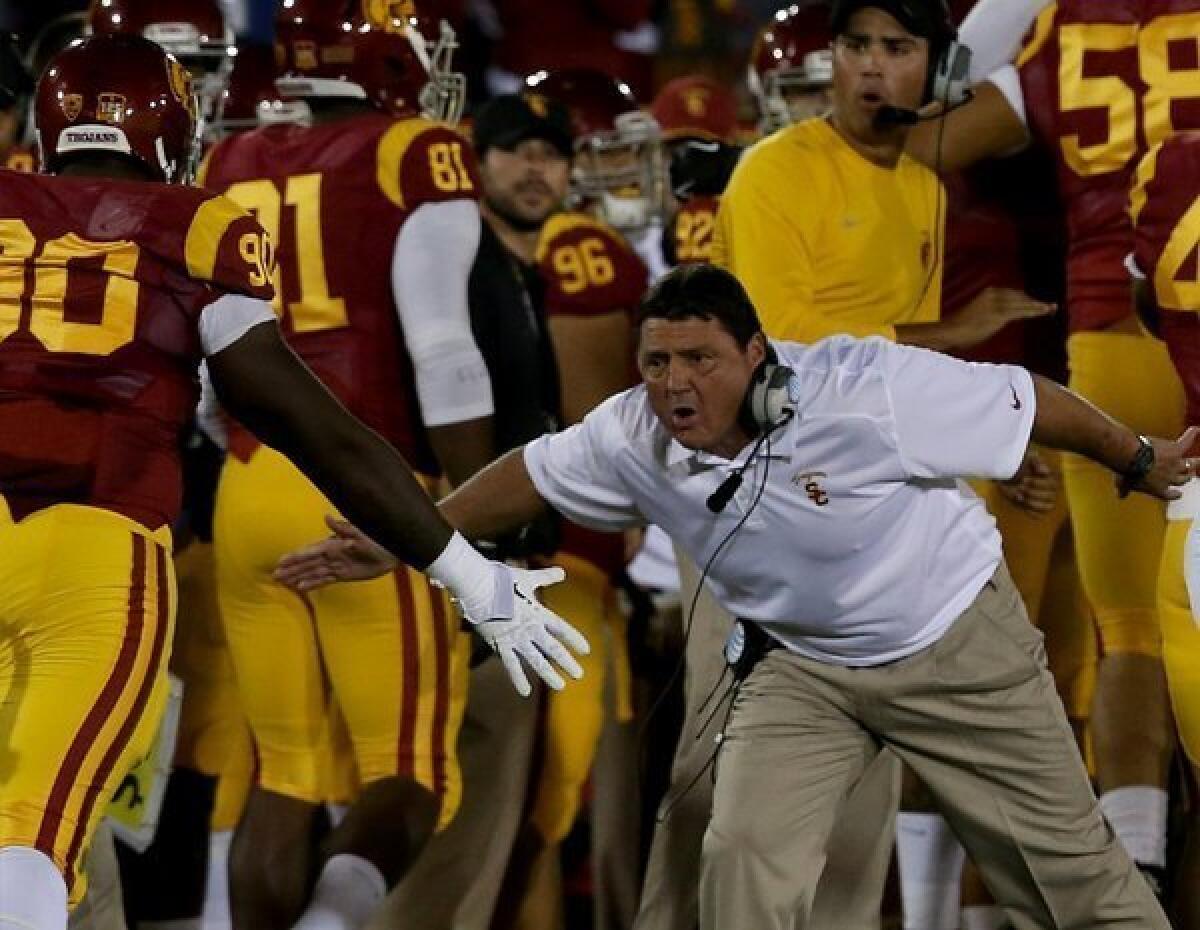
510,119
929,19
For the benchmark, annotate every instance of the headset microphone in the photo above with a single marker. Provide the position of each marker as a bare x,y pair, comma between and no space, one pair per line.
719,499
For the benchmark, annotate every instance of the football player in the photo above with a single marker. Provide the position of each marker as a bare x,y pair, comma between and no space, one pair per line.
617,171
167,882
698,121
1165,207
374,208
112,287
790,74
1098,85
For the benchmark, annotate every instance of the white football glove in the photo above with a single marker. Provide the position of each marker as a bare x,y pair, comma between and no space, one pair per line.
501,602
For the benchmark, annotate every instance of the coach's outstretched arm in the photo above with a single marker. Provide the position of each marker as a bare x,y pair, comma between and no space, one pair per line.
498,499
262,383
1064,420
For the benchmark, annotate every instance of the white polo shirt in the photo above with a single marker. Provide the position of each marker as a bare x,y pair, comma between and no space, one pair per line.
864,546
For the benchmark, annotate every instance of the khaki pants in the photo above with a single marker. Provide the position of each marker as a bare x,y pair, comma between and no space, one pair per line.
851,889
977,718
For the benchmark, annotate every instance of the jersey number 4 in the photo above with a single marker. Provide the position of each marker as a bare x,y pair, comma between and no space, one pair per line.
94,332
1081,90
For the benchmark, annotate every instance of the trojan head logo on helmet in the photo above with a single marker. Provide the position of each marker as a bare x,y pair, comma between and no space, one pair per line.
194,31
791,65
618,158
118,94
380,51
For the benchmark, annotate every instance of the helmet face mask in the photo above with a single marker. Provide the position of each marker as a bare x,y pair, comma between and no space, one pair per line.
621,172
444,97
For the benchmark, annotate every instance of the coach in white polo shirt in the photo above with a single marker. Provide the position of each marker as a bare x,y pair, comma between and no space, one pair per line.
852,542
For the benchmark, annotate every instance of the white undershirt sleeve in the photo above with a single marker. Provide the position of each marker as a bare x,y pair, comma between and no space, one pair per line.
431,264
228,318
956,419
994,29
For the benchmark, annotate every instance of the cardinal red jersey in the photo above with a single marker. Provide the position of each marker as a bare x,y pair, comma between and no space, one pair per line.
1165,207
102,284
334,198
589,270
690,235
1103,81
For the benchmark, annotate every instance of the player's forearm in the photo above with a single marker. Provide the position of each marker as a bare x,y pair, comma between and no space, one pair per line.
263,385
371,484
499,499
1064,420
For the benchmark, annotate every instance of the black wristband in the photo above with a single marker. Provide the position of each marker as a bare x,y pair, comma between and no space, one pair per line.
1138,468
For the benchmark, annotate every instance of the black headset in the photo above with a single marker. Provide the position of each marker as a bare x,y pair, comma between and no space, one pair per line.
768,403
768,406
949,80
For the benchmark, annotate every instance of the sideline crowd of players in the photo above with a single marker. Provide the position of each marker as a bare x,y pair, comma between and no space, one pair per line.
347,758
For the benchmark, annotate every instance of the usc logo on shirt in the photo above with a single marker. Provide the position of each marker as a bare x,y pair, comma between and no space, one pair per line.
811,482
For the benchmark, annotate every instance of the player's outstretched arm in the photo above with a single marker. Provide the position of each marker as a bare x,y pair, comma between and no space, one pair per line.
262,383
494,502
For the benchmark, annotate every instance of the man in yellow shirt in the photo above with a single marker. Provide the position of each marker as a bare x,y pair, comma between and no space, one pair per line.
832,228
829,226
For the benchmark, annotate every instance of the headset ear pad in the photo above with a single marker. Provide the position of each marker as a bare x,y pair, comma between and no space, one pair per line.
950,76
770,395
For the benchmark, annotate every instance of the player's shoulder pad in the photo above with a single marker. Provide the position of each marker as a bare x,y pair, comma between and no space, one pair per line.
588,266
1039,34
226,247
421,161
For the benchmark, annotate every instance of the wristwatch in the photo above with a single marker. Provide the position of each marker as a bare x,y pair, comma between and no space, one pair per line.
1138,468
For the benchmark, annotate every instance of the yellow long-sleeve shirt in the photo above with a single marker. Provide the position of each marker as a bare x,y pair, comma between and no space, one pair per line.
827,242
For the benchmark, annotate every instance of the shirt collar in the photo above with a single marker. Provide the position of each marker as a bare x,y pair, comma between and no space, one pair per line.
678,453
